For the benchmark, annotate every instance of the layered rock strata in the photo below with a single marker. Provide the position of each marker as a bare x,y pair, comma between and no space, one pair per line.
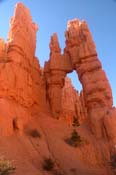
73,110
55,72
80,55
21,82
97,91
26,85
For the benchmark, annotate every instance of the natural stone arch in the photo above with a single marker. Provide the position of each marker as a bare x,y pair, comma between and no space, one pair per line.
80,55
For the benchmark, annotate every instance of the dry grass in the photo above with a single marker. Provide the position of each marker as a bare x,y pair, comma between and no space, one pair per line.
6,167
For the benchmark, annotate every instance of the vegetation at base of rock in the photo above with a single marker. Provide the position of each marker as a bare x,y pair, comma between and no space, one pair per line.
74,140
34,133
48,164
75,122
6,167
113,163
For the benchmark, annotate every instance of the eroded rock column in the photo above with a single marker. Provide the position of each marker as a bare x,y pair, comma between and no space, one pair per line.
55,72
73,109
96,88
20,80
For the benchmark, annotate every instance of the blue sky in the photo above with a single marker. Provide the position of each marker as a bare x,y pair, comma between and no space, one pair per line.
52,16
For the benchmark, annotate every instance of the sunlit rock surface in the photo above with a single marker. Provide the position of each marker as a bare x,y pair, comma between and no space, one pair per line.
40,108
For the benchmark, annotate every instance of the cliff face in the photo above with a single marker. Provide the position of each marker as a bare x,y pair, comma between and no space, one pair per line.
80,55
73,109
21,82
34,98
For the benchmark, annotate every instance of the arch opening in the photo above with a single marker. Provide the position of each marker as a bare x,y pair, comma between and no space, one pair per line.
75,81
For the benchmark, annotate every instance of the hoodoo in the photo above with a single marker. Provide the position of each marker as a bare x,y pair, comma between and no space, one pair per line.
50,127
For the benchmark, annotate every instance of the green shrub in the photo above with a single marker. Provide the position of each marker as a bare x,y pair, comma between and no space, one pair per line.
6,167
113,163
48,164
34,133
74,140
75,122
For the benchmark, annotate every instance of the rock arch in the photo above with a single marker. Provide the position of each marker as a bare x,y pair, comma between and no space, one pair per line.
80,55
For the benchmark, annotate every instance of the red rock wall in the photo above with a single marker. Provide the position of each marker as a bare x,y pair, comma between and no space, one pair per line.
80,55
25,90
55,72
24,67
26,79
25,84
96,88
72,104
82,51
21,81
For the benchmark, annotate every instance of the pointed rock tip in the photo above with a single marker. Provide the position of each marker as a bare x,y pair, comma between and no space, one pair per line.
20,4
21,7
54,37
54,43
75,23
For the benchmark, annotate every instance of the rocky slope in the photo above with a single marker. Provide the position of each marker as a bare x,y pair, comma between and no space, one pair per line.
46,126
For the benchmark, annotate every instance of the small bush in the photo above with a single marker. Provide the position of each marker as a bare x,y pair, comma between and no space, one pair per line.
113,163
74,140
48,164
6,167
34,133
75,122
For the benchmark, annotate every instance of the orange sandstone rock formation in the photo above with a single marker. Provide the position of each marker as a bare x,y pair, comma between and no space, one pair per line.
32,98
73,108
96,88
20,75
55,72
80,55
